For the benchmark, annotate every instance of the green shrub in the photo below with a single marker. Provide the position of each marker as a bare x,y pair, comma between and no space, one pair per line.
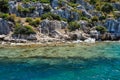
8,17
95,18
117,14
35,22
73,1
12,17
72,4
4,6
101,29
25,11
45,1
4,16
107,8
29,19
93,2
24,30
73,26
50,16
47,8
84,18
42,1
102,18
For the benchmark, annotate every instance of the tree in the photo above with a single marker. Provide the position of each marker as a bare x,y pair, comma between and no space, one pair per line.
4,6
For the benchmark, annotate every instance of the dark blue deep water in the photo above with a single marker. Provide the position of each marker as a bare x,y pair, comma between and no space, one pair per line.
93,68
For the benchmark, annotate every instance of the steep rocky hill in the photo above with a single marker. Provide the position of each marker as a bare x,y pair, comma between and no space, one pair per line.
60,19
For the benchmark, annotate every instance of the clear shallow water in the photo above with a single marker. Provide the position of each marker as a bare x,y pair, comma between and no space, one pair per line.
99,61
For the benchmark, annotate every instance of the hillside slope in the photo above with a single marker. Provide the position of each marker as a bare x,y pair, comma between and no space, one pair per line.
60,19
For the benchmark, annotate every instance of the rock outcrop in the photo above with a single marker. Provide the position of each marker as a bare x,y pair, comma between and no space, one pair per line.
113,26
116,5
87,14
5,27
52,28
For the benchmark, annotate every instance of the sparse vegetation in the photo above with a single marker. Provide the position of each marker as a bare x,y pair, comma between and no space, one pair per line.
73,26
35,22
50,16
101,29
4,6
31,13
107,8
20,29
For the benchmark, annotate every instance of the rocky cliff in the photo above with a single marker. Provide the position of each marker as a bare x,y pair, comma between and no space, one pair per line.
5,27
75,19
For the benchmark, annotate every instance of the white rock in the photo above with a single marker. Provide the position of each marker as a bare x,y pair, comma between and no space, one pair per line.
90,40
78,41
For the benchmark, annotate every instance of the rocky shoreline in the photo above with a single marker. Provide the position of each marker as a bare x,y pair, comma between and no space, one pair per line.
58,21
57,50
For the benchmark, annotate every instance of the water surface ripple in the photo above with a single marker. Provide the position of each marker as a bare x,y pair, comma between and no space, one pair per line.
99,61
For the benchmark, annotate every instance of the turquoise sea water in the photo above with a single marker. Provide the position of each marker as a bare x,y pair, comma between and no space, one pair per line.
99,61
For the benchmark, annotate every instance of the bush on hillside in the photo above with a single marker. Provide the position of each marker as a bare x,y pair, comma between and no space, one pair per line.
95,18
35,22
4,6
107,8
73,26
27,30
50,16
29,20
101,29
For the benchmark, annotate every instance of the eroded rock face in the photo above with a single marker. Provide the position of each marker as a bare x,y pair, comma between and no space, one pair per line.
37,11
85,4
84,11
117,5
54,3
83,25
67,13
4,27
41,8
52,27
12,7
94,34
113,26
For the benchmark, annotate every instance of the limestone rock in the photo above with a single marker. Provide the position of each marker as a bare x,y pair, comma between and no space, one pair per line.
4,27
113,26
52,27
